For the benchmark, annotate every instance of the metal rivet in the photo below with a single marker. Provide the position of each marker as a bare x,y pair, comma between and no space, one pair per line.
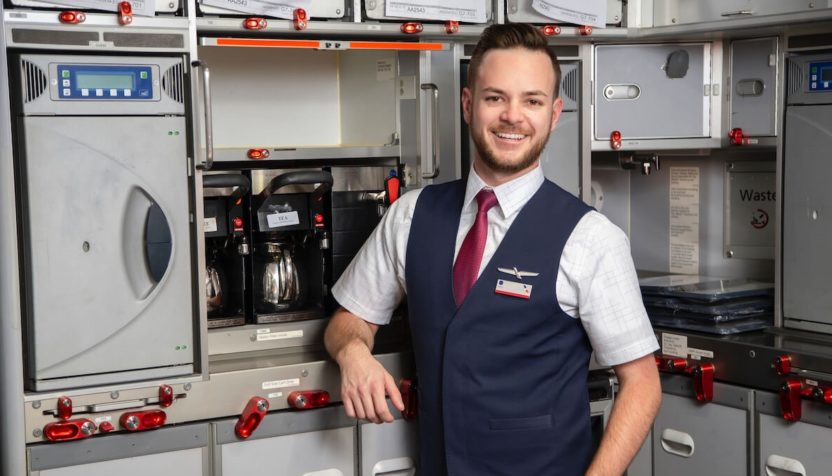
114,395
752,354
811,5
187,387
730,254
85,246
35,405
814,214
37,433
731,166
304,373
171,5
672,20
338,11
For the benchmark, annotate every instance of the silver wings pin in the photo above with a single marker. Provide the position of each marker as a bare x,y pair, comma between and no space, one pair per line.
516,273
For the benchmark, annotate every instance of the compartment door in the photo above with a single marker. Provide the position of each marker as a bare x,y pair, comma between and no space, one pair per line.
376,10
109,247
806,223
521,11
389,449
754,86
652,91
797,448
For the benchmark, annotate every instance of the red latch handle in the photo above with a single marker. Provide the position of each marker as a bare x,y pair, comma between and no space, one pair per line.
69,430
141,421
72,17
251,417
451,27
125,13
703,381
615,140
783,365
676,365
550,30
585,30
393,187
412,28
255,23
410,398
64,408
300,20
790,403
308,399
165,396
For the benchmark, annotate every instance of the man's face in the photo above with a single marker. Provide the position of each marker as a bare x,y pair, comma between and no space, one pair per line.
512,109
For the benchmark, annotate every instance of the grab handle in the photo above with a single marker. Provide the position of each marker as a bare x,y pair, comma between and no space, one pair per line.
677,443
208,115
777,465
434,130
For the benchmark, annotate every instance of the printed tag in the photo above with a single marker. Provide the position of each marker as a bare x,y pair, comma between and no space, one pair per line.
674,345
274,8
140,7
274,395
697,354
277,220
100,420
210,225
279,335
510,288
289,382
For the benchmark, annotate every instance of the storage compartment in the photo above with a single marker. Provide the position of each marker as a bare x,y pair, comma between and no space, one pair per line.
521,11
753,92
468,11
691,438
654,92
147,8
682,12
296,101
561,159
389,449
317,9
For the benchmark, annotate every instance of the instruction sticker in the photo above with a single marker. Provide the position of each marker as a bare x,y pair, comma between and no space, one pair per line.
289,382
139,7
279,335
384,70
684,220
579,12
274,395
674,345
279,9
210,224
461,10
276,220
697,354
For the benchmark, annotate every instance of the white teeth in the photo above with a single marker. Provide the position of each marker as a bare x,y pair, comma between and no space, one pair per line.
503,135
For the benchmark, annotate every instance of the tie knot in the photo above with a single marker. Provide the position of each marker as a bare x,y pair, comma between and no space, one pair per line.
486,199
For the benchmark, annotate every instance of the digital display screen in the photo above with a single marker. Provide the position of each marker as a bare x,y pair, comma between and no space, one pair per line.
826,74
108,80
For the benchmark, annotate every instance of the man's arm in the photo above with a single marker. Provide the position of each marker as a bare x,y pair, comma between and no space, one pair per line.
364,381
635,407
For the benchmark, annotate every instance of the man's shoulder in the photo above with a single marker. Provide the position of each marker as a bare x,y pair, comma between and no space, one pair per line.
595,228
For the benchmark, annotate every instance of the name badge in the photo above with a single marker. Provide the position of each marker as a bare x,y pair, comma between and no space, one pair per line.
510,288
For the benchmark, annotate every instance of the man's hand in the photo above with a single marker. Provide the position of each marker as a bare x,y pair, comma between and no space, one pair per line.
364,385
364,381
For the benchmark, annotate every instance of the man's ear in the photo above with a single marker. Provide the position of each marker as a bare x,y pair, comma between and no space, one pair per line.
557,108
467,103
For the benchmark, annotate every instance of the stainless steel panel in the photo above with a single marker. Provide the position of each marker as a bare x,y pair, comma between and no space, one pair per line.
95,307
317,9
801,447
561,159
674,12
181,463
119,447
798,80
806,227
754,86
374,9
391,448
661,106
521,11
161,6
692,439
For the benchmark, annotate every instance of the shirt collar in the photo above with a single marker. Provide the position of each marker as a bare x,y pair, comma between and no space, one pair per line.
511,196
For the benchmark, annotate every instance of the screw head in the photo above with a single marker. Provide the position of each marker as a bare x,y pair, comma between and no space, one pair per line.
300,401
132,423
304,373
36,405
262,406
37,433
187,387
88,428
114,395
753,354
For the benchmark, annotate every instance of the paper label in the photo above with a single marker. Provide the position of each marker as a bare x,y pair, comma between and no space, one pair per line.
472,11
274,395
279,9
384,70
279,335
674,345
210,224
263,331
289,382
579,12
102,419
510,288
812,382
276,220
697,354
140,7
684,220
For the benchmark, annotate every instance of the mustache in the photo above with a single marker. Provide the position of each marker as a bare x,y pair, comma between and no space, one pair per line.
511,130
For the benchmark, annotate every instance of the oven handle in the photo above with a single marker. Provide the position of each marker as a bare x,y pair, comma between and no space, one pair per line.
208,112
434,129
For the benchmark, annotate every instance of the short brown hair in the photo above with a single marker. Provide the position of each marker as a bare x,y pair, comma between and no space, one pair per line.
511,35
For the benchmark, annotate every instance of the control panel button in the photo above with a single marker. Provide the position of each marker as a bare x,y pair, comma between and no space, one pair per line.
67,92
65,83
814,77
85,92
127,93
826,84
65,73
114,92
814,85
99,92
143,74
144,93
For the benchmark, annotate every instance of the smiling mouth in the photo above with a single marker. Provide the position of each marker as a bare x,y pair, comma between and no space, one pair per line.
508,136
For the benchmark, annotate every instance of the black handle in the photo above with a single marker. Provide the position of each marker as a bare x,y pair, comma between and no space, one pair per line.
226,181
305,177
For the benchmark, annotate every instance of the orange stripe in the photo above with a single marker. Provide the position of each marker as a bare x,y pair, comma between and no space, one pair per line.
395,45
268,43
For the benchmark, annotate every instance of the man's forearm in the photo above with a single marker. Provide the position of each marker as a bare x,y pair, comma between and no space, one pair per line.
632,416
347,332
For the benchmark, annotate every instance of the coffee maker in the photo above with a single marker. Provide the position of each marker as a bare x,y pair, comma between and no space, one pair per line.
291,243
226,249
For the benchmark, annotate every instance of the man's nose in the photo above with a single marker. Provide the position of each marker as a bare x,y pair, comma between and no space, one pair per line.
512,113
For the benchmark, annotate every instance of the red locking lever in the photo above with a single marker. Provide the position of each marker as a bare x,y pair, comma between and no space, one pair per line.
300,19
141,421
703,381
69,430
451,27
125,13
783,365
393,187
165,396
64,408
253,414
790,403
410,398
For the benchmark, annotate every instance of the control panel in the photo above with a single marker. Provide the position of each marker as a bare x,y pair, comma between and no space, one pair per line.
820,76
104,82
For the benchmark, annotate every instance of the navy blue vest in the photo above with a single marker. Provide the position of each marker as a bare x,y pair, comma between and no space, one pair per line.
502,380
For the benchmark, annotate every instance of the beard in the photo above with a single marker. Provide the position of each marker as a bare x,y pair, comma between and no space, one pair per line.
490,158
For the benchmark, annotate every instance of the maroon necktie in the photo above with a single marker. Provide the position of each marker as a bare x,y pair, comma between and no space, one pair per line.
468,260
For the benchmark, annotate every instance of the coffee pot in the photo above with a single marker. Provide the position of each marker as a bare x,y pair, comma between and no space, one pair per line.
280,285
213,289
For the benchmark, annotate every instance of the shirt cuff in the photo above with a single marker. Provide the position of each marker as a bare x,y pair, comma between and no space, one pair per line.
635,350
380,318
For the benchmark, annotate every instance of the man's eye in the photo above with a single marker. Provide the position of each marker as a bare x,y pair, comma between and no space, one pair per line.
535,102
492,98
